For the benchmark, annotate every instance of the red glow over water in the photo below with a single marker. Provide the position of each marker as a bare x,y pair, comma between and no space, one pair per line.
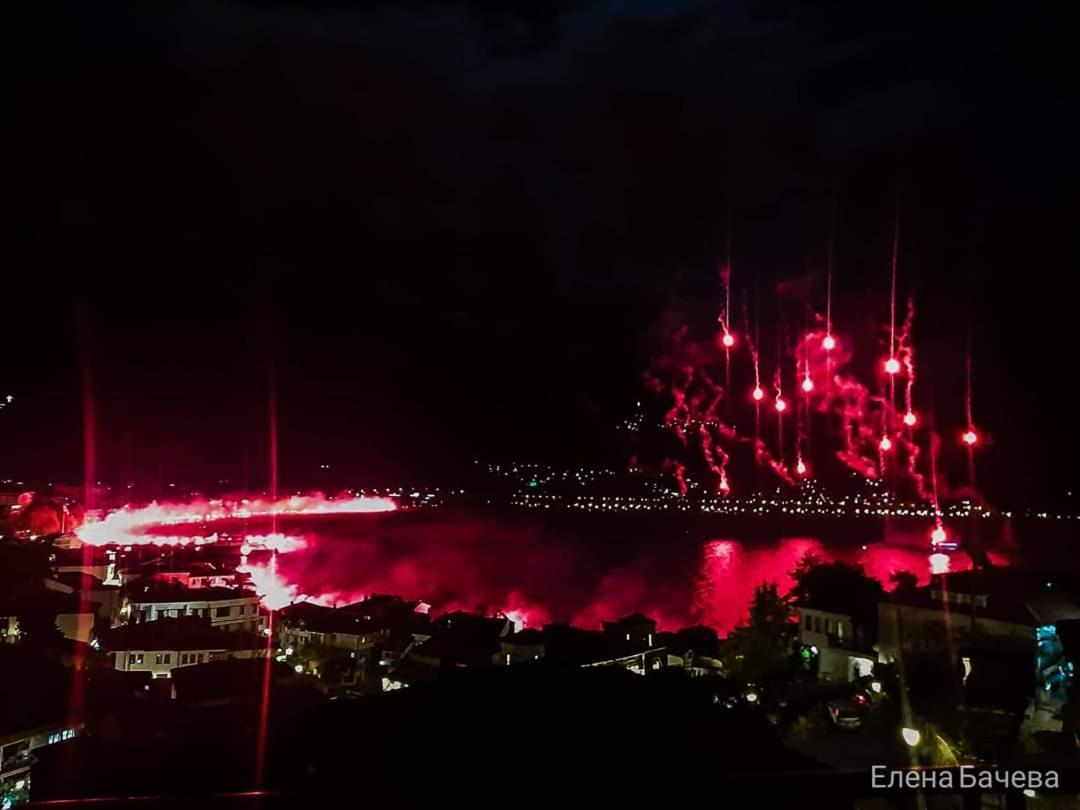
532,573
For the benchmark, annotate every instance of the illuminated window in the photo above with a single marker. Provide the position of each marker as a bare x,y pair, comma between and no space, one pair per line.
222,611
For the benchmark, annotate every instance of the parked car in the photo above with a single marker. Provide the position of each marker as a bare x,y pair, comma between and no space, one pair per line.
844,714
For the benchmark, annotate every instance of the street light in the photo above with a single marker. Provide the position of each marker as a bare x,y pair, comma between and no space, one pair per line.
911,736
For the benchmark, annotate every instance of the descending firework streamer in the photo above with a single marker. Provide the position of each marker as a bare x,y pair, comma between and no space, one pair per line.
828,343
781,405
827,391
970,437
878,434
906,347
892,365
727,339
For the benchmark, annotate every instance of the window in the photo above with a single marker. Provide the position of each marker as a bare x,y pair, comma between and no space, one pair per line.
222,611
131,658
828,625
139,658
809,622
817,624
199,658
840,629
168,658
157,658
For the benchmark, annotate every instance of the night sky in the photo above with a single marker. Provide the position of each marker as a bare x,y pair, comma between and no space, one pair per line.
455,230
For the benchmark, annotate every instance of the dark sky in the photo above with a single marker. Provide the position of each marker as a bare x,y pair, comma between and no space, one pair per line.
451,229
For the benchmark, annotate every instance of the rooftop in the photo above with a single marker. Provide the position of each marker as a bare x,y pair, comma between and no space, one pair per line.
158,593
994,594
320,619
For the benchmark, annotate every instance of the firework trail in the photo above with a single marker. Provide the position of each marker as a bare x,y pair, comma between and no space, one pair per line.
727,339
757,393
907,357
139,525
710,450
878,436
892,365
970,436
780,404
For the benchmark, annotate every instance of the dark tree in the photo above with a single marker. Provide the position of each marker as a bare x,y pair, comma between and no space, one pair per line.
838,587
760,649
905,582
23,566
37,628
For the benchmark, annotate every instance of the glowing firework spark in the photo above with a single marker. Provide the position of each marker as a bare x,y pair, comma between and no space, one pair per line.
885,444
132,525
909,419
892,366
807,383
728,340
938,535
970,437
758,394
781,406
829,343
800,467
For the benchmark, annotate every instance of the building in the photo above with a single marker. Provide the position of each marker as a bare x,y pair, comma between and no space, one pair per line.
629,643
163,646
635,628
31,716
695,649
974,613
524,645
307,624
457,641
842,647
105,598
225,608
17,749
994,608
198,575
74,617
